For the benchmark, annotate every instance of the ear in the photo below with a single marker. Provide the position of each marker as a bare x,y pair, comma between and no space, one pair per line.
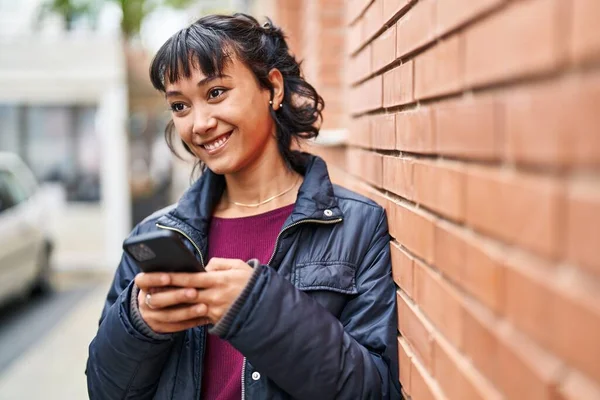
276,79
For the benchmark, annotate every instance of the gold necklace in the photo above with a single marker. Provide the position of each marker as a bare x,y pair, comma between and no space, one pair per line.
267,200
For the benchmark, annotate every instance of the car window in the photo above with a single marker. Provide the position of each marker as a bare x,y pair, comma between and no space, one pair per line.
11,191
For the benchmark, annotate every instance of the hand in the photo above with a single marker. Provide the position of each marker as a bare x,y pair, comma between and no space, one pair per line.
220,286
169,309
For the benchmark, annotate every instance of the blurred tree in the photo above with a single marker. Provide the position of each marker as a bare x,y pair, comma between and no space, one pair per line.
68,10
133,11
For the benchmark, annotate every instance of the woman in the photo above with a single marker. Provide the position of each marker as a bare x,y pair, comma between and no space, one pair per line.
312,314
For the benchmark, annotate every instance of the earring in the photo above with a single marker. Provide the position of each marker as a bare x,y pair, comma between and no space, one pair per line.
280,105
271,102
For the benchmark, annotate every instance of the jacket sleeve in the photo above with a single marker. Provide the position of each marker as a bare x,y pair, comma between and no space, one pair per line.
307,351
123,363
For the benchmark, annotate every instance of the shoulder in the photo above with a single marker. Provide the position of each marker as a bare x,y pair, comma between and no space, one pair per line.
349,200
149,223
360,213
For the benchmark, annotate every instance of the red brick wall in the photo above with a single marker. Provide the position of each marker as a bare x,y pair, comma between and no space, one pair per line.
476,124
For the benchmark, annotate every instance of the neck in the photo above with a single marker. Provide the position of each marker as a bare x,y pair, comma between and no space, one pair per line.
268,176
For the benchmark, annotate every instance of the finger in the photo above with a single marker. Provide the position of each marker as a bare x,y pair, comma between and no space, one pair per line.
173,297
222,264
177,315
182,326
153,279
153,290
200,280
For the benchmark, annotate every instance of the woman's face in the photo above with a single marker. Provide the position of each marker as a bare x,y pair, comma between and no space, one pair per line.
224,120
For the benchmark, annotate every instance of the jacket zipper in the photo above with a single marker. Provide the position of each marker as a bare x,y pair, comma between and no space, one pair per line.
304,221
316,221
187,237
244,379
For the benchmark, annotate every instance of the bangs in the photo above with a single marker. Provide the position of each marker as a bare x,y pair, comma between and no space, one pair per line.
191,48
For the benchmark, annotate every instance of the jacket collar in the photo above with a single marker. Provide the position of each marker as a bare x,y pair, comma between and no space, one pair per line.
315,196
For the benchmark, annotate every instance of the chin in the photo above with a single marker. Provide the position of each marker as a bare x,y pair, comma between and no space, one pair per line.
222,167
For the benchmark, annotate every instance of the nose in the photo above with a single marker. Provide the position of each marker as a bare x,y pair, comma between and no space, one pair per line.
203,122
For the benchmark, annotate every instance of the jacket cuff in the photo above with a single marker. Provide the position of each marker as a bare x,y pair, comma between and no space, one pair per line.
224,325
136,318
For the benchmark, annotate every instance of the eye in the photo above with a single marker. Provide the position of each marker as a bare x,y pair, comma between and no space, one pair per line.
214,93
177,107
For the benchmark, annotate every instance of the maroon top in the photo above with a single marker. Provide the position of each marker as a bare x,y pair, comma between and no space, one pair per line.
241,238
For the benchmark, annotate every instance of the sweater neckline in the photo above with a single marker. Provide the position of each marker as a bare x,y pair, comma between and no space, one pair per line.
267,214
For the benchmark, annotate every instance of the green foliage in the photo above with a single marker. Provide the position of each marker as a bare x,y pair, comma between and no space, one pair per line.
69,10
134,11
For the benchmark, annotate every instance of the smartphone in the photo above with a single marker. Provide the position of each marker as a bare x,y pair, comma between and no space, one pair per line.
162,251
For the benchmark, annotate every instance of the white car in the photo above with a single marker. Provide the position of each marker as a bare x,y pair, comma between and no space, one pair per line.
25,248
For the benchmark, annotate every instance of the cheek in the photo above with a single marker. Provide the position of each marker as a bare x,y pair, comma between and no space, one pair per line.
183,129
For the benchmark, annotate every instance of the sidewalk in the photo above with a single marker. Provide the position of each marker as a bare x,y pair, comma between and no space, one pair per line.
54,368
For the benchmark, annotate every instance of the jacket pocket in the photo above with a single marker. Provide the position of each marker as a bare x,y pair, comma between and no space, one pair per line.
334,276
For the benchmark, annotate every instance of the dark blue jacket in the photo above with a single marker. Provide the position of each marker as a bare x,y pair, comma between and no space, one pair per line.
318,322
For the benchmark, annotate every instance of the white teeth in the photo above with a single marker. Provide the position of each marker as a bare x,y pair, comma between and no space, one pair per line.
216,144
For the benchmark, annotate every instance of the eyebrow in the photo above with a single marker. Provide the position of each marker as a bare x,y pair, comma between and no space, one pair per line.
200,83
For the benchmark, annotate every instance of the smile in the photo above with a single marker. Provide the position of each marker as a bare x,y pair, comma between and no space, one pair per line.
217,143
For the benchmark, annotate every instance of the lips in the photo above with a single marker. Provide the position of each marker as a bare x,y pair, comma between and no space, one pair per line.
217,143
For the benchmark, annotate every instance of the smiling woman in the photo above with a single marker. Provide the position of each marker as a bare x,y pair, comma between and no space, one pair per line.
297,299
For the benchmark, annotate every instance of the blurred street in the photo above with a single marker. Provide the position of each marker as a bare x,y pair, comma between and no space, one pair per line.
44,339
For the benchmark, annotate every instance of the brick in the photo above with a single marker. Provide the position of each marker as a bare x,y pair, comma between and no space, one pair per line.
398,85
480,342
577,386
452,13
577,328
529,298
440,302
469,129
393,7
416,330
516,42
441,187
525,370
383,131
439,71
415,28
450,250
355,36
422,385
425,183
373,19
585,41
457,378
402,268
414,131
405,364
542,131
360,132
398,176
416,230
384,49
583,226
368,95
355,8
519,209
371,165
360,65
483,273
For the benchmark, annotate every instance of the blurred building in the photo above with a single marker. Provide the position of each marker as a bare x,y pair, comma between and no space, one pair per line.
63,108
